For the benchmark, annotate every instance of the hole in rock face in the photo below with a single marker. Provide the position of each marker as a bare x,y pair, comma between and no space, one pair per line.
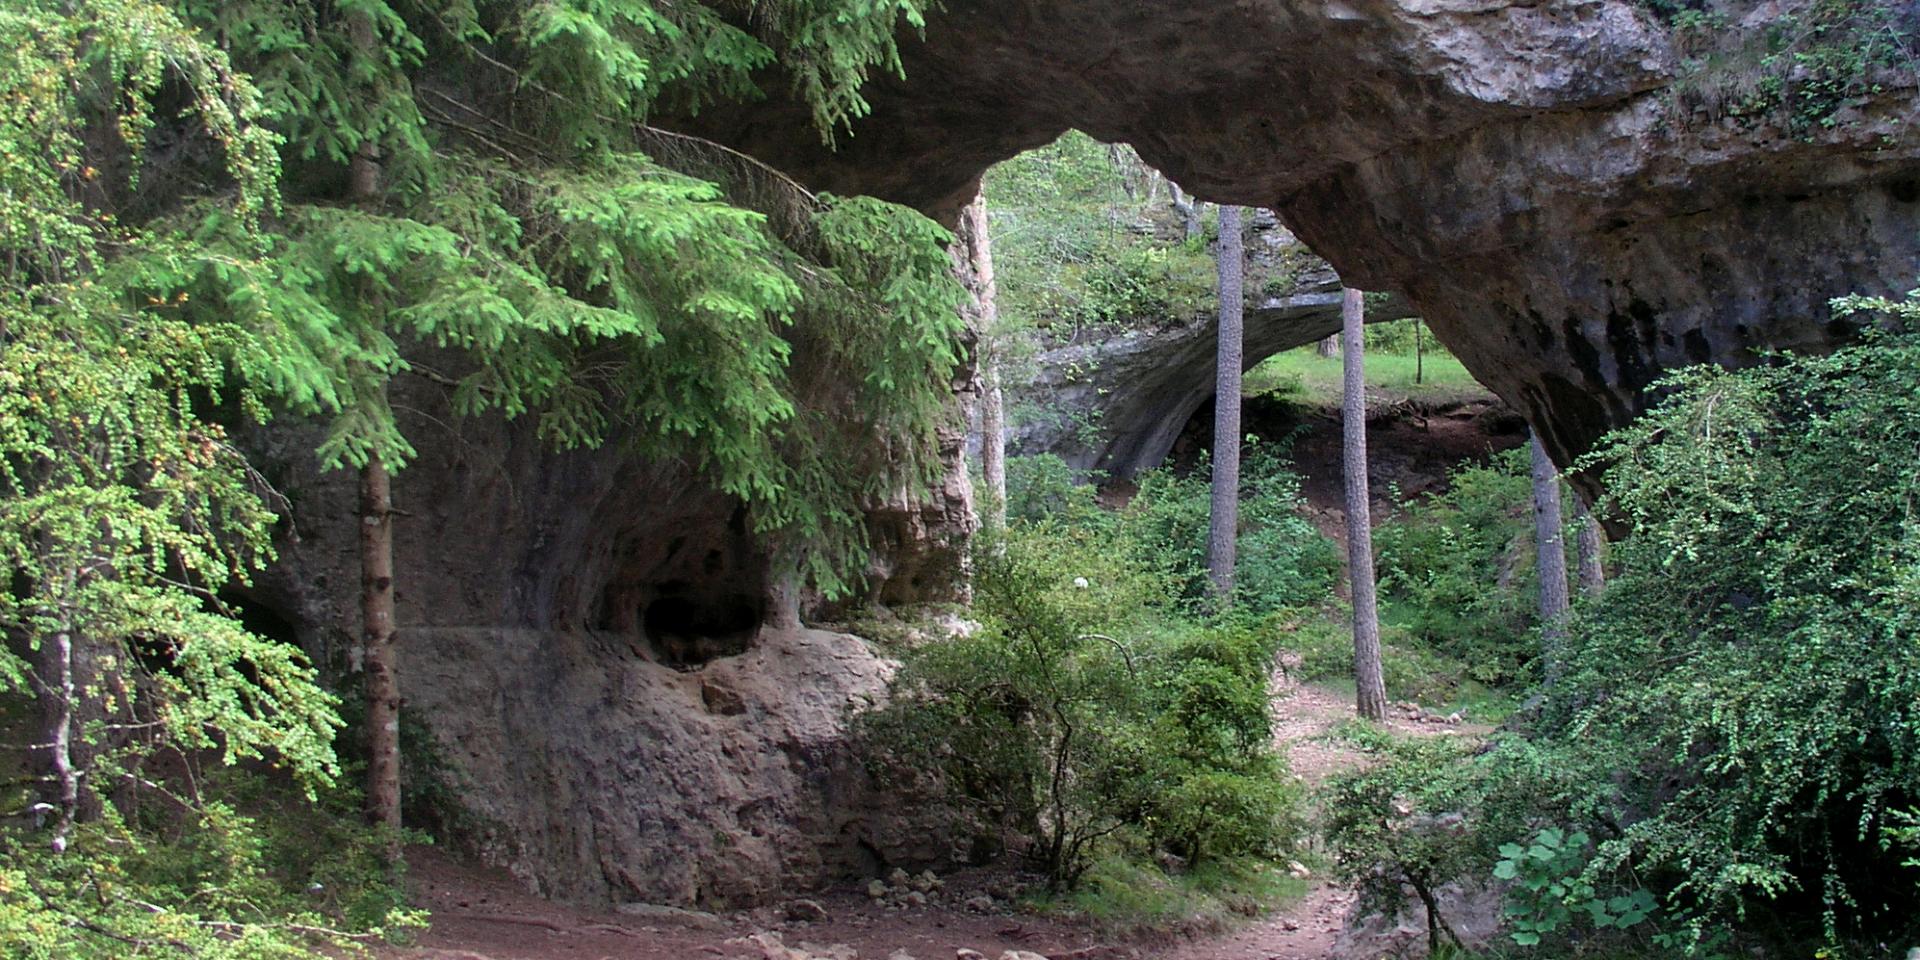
692,629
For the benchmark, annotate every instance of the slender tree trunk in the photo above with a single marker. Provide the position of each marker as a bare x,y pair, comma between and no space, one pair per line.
1552,556
1589,546
376,560
1224,520
993,445
993,421
1328,346
1419,353
59,695
382,668
1369,684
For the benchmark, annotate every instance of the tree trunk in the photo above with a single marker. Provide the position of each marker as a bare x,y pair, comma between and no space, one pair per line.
993,421
1552,556
383,681
993,445
59,696
1189,209
1588,546
376,556
1419,353
1223,524
1328,346
1369,685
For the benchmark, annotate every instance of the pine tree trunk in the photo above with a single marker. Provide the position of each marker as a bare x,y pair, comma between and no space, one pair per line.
379,658
993,420
1552,556
1224,519
1369,683
383,681
1588,548
1328,346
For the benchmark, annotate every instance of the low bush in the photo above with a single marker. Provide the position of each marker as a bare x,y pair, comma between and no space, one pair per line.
1458,573
1282,560
1081,721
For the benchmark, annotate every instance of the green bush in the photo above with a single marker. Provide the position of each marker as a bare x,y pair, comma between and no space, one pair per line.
1458,570
1081,720
1735,728
1043,486
1283,561
1748,688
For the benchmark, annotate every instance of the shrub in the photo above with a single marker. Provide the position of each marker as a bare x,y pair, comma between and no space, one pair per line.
1283,561
1082,720
1458,568
1736,724
1043,486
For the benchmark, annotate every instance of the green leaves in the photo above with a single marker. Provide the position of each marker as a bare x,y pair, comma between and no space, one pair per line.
1551,886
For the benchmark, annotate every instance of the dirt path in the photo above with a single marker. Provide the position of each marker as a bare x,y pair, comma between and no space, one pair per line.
481,914
1307,929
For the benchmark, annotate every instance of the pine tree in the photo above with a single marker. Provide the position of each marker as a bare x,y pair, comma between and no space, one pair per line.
479,178
1223,524
1370,690
564,246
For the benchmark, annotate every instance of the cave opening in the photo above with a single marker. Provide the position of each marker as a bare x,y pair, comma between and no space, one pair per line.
687,630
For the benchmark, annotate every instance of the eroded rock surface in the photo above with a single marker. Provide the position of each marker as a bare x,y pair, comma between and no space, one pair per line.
1117,404
584,642
730,785
1538,178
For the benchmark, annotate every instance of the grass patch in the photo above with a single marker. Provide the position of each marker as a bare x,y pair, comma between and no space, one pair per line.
1126,897
1305,377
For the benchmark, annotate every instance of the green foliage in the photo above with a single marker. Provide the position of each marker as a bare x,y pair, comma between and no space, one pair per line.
1406,823
1283,561
1458,569
1043,486
202,880
161,281
1065,251
1411,670
1801,67
1402,338
1736,722
1303,377
1080,719
1549,886
1135,898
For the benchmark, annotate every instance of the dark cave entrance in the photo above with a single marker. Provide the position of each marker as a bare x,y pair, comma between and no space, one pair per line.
688,628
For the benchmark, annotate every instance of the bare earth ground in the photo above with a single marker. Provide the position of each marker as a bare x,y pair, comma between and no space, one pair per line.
481,914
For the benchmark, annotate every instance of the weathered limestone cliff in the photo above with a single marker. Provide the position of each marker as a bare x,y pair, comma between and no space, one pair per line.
1553,190
589,656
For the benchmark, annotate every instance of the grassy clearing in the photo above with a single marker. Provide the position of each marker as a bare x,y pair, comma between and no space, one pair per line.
1305,377
1126,897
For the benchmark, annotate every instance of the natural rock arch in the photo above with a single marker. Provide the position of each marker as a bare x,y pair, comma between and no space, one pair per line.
1525,174
1117,405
